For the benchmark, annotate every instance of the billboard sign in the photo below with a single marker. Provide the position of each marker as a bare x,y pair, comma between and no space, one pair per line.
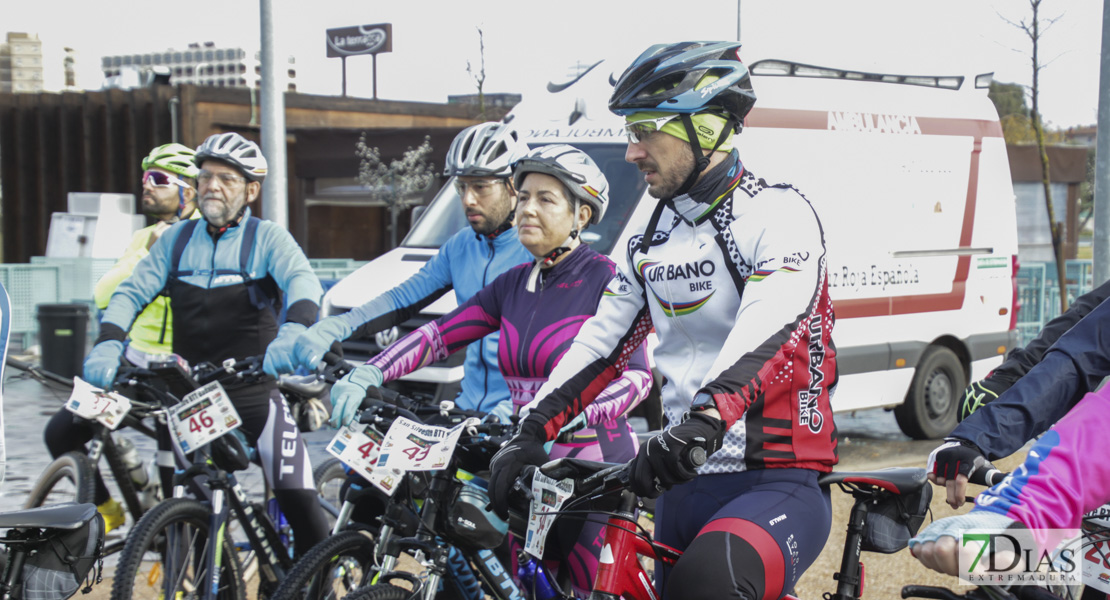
360,39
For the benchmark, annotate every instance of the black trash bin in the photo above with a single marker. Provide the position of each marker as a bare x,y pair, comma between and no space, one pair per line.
62,329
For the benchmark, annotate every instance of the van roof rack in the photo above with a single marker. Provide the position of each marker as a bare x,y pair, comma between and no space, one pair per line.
784,68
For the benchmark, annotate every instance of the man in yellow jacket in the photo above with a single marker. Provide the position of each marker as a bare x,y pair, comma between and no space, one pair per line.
169,195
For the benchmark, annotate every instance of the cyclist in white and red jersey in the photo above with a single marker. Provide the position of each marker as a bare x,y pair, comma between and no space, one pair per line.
731,273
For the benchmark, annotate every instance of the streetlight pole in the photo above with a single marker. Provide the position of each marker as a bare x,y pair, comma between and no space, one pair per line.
275,200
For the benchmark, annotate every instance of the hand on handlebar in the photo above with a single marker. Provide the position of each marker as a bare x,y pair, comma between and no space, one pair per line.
314,343
527,448
102,364
937,546
661,461
347,393
951,464
279,354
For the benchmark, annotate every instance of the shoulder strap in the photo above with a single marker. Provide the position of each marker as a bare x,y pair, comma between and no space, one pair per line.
250,230
179,244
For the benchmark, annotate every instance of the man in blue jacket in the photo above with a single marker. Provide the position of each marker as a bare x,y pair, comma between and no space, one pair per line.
481,159
223,275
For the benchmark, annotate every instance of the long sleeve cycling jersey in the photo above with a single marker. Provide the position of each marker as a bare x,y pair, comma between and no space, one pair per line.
1073,366
217,322
152,331
1065,475
537,327
734,282
1021,360
466,262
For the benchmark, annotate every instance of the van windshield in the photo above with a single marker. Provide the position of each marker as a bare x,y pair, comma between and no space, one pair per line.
444,216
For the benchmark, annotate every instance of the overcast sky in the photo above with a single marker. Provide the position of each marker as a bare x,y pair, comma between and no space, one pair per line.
528,42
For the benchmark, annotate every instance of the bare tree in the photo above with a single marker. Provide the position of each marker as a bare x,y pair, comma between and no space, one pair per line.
480,77
397,183
1035,29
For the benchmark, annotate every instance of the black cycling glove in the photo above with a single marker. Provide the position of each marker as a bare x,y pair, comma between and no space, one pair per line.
505,466
956,456
979,394
661,462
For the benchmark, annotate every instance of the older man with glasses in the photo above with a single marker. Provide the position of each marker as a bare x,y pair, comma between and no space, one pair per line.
223,276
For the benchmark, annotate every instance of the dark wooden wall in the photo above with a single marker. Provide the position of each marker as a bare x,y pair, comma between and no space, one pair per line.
52,144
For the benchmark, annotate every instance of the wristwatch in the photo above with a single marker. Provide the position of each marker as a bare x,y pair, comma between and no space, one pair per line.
703,401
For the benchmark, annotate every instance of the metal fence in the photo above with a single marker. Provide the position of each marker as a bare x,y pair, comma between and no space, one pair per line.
71,281
1039,292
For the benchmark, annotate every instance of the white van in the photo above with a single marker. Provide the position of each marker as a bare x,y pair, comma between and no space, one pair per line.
909,176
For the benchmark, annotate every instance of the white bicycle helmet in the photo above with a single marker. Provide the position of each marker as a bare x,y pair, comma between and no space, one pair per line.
574,168
485,150
236,151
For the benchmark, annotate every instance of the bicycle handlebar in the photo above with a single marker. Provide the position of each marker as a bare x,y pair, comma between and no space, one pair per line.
988,477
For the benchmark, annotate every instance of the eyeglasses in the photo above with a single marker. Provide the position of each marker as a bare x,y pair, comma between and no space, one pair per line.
480,187
205,177
160,179
637,131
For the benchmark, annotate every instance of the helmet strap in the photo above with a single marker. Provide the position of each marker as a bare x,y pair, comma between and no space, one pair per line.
180,202
701,160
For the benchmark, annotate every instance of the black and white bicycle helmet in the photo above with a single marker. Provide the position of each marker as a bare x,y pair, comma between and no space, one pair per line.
485,150
236,151
574,168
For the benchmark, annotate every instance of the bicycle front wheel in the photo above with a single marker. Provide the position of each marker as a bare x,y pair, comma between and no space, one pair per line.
166,556
330,569
329,477
70,478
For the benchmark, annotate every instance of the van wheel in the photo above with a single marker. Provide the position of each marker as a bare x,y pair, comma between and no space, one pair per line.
929,411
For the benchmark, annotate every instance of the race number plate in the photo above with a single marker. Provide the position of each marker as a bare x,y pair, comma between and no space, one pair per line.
411,446
93,403
1096,550
548,496
203,415
357,446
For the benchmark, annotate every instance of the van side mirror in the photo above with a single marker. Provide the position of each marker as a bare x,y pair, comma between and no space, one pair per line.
417,212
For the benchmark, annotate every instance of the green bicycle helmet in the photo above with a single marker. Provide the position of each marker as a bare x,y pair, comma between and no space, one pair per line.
175,158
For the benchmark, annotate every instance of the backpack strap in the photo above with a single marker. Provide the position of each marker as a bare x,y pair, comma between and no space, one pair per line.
179,244
264,293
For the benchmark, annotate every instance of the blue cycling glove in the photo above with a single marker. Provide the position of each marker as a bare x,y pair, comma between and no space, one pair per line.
348,393
279,354
102,363
314,343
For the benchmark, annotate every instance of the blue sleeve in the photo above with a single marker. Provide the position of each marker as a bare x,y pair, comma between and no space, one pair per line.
286,263
1072,367
145,283
406,300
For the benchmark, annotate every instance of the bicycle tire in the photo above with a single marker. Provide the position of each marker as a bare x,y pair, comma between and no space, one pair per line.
72,467
380,592
346,559
329,477
189,520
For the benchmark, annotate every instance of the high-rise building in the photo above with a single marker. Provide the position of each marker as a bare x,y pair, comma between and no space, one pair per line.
202,65
21,63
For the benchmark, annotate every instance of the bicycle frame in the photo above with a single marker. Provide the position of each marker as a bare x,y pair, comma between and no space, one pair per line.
229,501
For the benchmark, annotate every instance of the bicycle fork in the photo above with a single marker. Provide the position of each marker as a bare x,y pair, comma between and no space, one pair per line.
217,525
